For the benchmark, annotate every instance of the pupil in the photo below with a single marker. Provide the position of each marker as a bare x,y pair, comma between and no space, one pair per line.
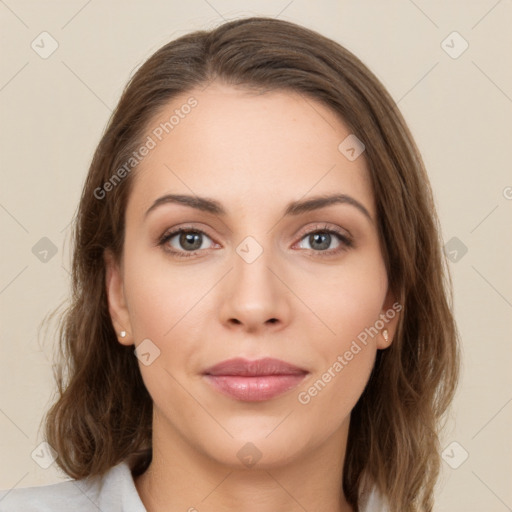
318,236
187,238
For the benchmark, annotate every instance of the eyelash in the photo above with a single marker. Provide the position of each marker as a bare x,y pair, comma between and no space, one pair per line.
345,241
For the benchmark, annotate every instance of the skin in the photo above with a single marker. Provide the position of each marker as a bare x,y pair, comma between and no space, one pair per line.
254,153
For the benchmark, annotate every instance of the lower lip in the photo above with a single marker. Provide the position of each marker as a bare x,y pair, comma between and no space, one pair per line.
254,389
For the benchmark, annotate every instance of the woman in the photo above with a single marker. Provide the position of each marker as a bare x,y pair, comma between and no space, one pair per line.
257,227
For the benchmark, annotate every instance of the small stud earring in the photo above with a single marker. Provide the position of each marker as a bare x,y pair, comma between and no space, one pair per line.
385,334
122,334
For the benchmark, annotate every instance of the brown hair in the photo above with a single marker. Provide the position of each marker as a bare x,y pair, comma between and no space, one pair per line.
103,412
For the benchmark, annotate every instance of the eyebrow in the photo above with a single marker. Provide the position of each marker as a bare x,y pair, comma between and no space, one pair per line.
293,208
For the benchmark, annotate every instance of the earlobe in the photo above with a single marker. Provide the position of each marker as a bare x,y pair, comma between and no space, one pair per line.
116,300
386,339
390,315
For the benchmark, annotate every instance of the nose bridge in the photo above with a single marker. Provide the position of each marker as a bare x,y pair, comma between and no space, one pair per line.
254,296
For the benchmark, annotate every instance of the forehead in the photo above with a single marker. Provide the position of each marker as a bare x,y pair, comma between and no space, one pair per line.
249,149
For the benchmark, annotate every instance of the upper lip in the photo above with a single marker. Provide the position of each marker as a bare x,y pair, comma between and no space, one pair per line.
258,367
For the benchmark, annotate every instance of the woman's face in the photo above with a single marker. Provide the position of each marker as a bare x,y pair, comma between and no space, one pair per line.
271,276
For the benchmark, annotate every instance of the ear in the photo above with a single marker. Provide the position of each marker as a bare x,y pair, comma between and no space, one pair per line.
116,299
390,316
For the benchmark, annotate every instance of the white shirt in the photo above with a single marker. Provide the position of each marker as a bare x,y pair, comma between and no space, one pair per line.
115,491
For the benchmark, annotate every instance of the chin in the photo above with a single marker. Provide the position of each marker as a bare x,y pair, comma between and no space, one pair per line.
257,443
257,453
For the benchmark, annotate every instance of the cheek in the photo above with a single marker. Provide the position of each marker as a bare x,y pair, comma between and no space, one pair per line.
349,299
161,303
349,307
159,296
332,393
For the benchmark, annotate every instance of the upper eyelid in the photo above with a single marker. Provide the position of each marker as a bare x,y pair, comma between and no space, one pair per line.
324,226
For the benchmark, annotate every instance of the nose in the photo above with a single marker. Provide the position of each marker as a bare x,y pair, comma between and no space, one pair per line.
254,297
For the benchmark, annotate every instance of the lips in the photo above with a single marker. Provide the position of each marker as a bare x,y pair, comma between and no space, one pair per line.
259,367
254,381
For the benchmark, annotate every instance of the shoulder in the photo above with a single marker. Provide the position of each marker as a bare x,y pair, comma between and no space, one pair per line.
47,497
113,492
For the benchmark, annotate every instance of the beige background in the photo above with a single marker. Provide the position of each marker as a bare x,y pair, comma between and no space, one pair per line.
459,110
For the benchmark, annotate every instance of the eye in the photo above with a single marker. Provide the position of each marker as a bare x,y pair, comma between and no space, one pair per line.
321,238
187,242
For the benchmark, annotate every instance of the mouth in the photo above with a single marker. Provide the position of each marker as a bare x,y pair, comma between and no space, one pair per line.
254,381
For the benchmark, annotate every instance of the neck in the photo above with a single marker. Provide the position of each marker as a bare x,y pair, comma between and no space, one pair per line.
182,478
